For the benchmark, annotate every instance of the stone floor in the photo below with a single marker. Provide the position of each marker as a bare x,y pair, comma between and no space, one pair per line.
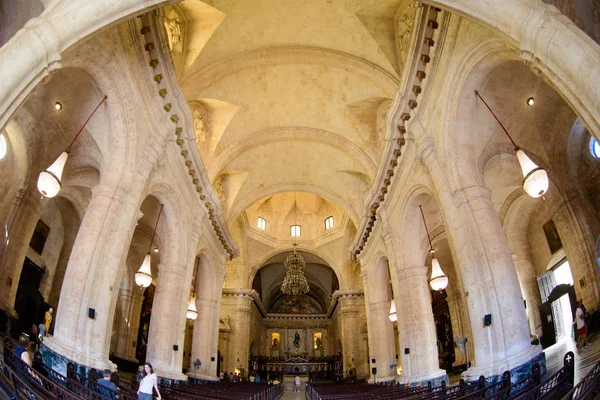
292,395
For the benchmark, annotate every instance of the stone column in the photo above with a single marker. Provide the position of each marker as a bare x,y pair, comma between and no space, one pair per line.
349,304
485,265
381,343
203,340
457,329
20,224
206,337
167,323
127,322
92,275
224,350
416,327
239,303
531,292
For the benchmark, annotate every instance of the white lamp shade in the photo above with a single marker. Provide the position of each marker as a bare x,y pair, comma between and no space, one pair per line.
191,310
143,277
49,180
438,279
535,179
393,316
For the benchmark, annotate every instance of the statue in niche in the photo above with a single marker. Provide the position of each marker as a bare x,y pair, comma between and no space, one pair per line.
275,344
297,340
174,31
318,343
200,126
220,189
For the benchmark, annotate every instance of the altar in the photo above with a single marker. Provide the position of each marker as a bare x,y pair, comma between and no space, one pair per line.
297,366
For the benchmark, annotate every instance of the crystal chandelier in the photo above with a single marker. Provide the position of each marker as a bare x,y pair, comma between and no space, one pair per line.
294,282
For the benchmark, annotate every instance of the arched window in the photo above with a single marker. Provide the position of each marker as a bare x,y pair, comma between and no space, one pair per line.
328,223
3,146
295,230
262,223
595,148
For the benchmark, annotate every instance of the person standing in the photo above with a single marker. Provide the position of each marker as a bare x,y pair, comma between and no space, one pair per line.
22,350
106,383
297,383
147,383
581,325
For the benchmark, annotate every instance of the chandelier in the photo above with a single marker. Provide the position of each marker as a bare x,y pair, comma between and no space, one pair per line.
294,282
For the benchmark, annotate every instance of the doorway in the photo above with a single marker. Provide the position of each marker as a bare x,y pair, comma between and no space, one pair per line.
558,303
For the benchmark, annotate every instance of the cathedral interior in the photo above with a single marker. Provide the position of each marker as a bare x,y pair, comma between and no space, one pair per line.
389,190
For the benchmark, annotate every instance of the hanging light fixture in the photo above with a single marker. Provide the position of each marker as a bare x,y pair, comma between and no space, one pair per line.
393,316
294,282
438,280
535,178
143,277
192,313
49,180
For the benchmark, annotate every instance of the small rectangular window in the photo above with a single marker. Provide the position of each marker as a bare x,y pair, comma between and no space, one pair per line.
328,223
262,224
295,230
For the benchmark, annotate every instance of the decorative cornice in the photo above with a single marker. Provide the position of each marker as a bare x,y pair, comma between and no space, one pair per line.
161,64
405,104
249,294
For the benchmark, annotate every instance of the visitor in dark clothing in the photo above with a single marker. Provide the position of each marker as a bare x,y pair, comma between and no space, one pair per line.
105,384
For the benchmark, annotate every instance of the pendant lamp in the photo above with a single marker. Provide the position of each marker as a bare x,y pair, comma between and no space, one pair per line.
192,313
535,178
49,180
143,277
393,316
438,280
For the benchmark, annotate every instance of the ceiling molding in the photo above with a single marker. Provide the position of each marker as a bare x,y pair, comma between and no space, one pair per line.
195,83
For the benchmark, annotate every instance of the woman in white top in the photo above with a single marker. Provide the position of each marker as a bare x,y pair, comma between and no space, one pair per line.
148,382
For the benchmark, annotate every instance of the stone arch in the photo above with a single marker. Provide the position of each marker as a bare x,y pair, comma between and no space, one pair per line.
541,33
256,267
206,277
412,235
285,133
293,187
379,281
171,223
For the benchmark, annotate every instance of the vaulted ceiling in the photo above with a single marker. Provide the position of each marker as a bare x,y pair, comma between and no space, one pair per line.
289,95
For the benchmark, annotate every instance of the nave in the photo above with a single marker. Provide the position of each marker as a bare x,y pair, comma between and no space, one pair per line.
386,192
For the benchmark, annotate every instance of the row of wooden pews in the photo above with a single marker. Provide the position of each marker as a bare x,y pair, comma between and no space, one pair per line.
42,382
221,391
530,387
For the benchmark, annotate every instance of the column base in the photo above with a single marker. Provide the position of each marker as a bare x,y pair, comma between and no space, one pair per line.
53,356
519,367
203,378
169,374
435,377
126,358
381,379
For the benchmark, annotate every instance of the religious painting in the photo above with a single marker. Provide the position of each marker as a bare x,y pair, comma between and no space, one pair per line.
296,305
318,340
275,340
552,237
39,237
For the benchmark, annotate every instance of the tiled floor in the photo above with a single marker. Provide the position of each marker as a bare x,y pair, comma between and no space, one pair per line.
293,396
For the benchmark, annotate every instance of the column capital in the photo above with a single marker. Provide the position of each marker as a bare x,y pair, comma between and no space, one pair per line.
380,305
171,269
477,196
411,272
